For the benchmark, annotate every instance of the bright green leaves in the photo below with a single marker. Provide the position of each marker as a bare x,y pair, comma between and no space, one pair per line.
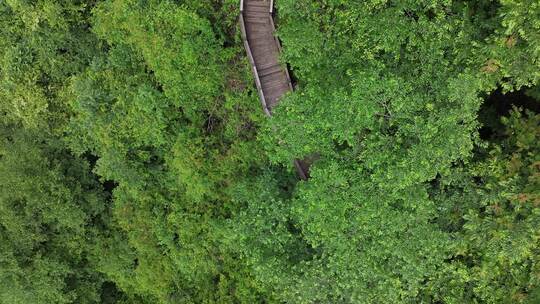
43,44
176,44
407,96
165,110
343,239
379,246
119,114
416,72
388,97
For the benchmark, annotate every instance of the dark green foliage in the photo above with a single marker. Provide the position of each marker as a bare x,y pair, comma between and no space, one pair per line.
49,206
493,208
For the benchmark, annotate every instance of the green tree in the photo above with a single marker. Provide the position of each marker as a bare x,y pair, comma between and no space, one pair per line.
388,97
166,113
492,206
43,43
49,205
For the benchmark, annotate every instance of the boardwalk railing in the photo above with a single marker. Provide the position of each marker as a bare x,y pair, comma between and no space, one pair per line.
253,66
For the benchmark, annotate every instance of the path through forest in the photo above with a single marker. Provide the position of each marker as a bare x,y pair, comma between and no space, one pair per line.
271,77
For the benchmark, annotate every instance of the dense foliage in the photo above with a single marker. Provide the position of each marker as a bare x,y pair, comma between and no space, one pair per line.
136,165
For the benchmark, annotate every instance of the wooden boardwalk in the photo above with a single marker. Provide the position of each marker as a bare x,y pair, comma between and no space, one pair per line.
262,47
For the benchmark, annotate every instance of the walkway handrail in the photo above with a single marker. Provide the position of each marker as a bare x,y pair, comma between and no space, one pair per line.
241,6
253,66
271,6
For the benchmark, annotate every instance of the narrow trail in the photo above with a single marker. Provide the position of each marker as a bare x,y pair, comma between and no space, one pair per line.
262,47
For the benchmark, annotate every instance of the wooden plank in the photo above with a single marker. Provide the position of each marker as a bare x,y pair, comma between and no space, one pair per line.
250,12
256,14
250,20
256,9
275,89
256,33
259,28
270,70
262,67
263,56
258,3
261,40
266,49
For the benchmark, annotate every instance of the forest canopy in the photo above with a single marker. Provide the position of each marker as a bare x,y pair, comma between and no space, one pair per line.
137,166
